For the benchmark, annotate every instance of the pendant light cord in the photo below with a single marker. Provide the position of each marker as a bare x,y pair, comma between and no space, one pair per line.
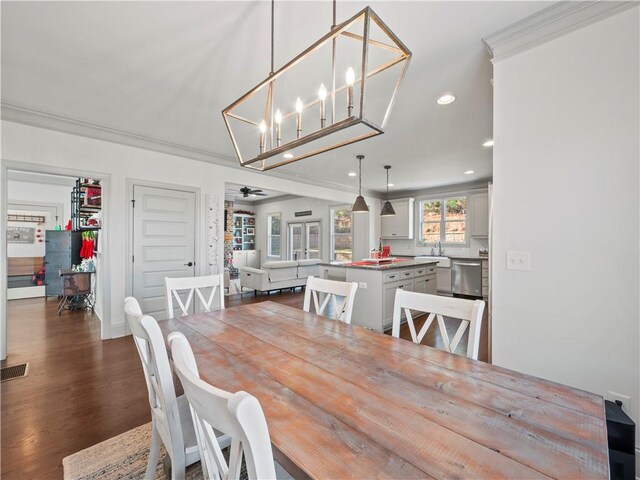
272,30
334,14
387,183
360,157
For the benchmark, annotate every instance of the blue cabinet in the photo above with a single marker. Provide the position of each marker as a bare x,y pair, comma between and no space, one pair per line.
62,250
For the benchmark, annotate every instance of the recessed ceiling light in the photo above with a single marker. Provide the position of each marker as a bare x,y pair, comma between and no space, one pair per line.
390,185
488,143
446,99
468,172
288,155
352,174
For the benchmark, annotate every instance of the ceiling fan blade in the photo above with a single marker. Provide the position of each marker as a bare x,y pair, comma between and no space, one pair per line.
258,190
259,194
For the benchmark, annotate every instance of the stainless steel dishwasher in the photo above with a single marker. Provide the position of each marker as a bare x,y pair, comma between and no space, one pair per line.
466,277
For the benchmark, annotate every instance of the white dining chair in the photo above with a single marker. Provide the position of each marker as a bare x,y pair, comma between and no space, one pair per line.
238,415
331,289
191,286
170,416
469,311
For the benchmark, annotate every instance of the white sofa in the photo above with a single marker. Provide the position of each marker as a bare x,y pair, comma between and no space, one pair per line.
278,275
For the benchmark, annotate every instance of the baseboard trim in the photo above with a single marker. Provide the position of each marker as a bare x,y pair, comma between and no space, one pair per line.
118,330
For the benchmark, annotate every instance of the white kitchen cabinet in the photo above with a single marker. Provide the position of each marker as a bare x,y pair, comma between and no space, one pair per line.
399,226
333,273
479,214
246,258
376,294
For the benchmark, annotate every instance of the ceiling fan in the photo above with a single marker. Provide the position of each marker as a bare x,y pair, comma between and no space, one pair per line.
246,191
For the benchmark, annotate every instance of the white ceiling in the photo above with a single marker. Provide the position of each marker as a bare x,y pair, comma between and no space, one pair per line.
165,70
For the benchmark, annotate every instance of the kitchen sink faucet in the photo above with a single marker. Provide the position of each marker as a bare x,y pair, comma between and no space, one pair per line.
437,245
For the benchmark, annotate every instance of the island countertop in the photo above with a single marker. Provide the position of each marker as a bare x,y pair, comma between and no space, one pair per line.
398,263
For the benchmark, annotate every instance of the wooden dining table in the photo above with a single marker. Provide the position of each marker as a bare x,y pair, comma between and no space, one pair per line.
345,402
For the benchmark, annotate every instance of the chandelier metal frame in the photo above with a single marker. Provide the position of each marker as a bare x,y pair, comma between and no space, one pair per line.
259,162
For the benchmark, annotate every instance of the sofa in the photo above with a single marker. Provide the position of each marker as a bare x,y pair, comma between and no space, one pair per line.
279,275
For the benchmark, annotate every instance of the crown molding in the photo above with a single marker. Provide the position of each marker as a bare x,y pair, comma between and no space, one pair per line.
480,184
550,23
60,123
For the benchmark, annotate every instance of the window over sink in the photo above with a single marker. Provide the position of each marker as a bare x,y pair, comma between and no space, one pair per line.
443,220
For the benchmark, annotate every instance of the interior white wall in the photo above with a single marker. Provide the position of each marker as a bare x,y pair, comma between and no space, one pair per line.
53,149
35,249
44,193
287,208
566,168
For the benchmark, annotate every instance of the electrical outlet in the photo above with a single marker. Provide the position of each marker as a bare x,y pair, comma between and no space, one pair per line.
518,261
362,285
625,399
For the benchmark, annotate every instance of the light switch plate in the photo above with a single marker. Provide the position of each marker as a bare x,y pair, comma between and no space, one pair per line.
362,285
518,260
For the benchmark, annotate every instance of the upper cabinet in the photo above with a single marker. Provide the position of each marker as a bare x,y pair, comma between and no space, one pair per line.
479,214
399,226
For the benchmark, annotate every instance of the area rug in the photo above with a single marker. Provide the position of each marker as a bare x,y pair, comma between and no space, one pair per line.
123,457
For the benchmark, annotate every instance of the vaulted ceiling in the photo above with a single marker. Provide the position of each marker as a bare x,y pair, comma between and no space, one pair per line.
165,70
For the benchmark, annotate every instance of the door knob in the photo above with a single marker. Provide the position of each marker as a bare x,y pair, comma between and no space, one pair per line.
189,264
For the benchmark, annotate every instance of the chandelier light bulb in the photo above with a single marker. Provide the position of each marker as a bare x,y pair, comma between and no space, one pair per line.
278,117
322,93
299,105
351,77
263,126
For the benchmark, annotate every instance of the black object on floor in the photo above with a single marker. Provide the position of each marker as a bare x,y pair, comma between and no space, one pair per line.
621,437
14,371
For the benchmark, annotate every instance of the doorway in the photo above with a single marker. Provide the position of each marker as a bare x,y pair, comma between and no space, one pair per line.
305,240
35,190
164,243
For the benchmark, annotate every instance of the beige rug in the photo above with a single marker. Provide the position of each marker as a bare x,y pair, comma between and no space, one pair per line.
121,457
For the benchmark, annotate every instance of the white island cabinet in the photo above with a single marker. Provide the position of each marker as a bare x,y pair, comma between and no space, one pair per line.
377,285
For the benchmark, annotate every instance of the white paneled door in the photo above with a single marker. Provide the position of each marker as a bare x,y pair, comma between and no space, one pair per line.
163,243
304,240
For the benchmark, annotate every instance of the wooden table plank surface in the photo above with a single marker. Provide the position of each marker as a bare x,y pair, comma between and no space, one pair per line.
344,402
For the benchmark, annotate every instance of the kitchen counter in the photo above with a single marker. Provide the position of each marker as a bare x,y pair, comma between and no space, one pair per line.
404,263
377,286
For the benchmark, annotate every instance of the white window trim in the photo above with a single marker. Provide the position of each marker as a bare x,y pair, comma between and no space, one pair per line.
443,198
332,235
268,230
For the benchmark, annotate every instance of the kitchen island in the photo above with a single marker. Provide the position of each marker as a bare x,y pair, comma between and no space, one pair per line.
377,285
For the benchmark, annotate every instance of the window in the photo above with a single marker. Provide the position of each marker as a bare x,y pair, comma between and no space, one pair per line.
341,239
273,235
444,220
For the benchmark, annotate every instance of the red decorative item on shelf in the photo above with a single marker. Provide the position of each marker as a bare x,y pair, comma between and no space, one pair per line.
68,227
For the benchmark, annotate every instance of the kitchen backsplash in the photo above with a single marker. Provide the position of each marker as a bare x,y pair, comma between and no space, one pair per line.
410,247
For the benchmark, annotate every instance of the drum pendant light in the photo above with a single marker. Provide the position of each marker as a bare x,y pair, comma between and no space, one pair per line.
387,208
360,206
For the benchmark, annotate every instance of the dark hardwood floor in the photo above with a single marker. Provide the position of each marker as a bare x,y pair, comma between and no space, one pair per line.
81,390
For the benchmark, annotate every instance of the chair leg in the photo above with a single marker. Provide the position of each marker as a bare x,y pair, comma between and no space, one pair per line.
178,467
154,453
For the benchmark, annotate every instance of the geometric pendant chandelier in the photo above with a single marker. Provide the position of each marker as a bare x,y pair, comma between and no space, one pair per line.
338,91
